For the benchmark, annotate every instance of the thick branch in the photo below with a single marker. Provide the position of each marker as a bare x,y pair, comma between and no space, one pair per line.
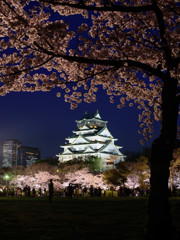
9,6
106,62
30,68
106,8
165,46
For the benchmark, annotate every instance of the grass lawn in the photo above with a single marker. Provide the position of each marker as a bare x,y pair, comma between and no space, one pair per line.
77,218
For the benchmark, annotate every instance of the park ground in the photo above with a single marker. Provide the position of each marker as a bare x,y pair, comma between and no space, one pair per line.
77,218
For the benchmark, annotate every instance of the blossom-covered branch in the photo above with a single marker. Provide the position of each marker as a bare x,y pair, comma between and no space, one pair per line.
128,48
99,5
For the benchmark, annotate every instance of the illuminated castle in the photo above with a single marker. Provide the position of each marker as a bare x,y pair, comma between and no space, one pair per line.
92,138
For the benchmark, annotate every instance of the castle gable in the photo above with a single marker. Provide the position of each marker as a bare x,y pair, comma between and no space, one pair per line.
85,127
110,148
105,132
67,151
97,115
89,150
80,140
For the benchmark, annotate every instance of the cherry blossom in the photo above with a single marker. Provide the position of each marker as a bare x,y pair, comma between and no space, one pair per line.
113,43
41,179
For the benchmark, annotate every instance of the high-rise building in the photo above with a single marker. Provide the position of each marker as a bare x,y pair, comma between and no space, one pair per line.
14,154
28,155
92,138
10,153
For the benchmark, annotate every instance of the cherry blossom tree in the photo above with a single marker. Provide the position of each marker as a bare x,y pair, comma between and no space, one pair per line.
85,178
128,47
37,180
174,173
41,179
141,169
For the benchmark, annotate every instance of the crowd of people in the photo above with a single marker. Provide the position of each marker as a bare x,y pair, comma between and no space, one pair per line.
75,191
27,191
70,191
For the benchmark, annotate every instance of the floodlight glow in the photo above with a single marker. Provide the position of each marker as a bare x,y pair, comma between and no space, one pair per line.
6,177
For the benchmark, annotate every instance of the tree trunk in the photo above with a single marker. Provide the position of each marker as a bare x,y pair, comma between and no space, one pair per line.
159,219
159,224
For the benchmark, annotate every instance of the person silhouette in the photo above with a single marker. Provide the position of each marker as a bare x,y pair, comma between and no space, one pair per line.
70,191
51,190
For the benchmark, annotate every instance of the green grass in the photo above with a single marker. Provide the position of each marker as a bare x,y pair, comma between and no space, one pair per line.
85,218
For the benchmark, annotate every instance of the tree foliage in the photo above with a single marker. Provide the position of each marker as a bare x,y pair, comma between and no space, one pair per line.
128,47
133,156
95,163
42,166
174,170
71,166
117,176
50,161
142,170
92,163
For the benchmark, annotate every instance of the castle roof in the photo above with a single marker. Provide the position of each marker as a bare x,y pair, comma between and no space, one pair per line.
90,116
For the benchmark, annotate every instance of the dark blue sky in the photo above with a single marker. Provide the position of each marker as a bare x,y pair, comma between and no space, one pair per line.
42,120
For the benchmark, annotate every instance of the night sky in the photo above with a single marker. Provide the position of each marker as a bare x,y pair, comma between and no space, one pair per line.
42,120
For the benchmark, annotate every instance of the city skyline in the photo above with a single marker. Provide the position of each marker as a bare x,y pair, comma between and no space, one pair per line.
44,121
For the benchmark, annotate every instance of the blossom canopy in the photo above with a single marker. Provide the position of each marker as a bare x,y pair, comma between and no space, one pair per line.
127,47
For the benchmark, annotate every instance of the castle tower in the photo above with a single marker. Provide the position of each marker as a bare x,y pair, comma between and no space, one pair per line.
92,138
